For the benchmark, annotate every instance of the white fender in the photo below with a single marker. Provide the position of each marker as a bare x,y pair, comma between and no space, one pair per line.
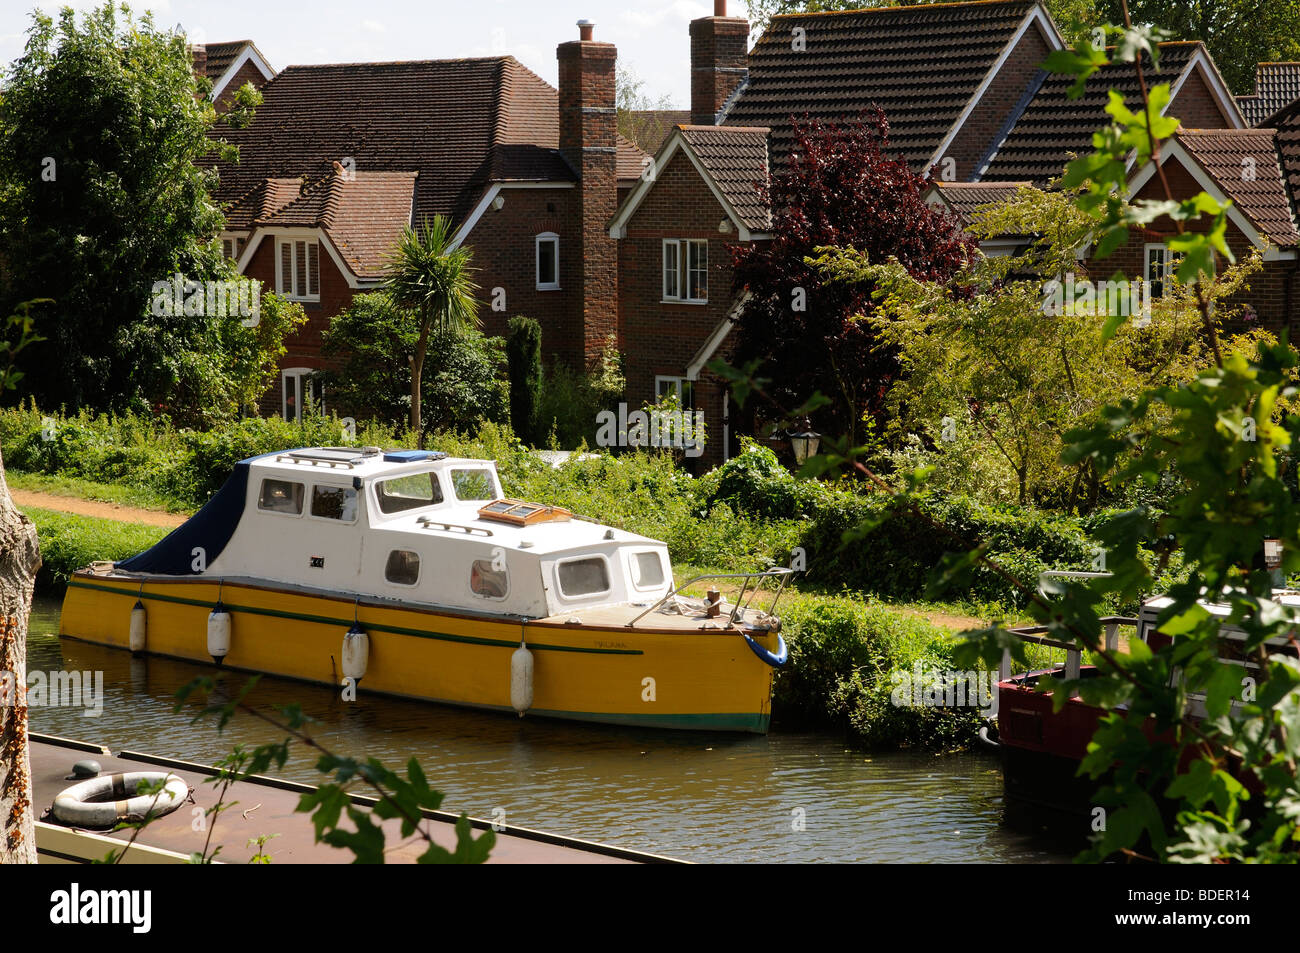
139,626
111,798
219,633
356,652
521,680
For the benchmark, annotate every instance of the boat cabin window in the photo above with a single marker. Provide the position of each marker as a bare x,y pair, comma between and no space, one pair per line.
487,581
647,570
583,577
476,484
334,502
408,492
403,567
281,496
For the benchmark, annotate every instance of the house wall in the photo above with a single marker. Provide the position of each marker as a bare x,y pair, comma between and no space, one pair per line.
505,256
981,128
302,348
1266,290
1197,107
248,73
661,338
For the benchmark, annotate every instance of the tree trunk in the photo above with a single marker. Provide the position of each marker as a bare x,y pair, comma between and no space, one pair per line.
417,376
20,557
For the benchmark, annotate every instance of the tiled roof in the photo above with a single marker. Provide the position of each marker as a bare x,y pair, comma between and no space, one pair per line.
1287,124
362,213
1052,126
920,64
629,161
221,55
1262,195
264,198
459,123
1276,85
736,159
965,197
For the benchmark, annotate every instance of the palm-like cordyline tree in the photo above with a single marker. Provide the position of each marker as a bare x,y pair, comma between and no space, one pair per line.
429,275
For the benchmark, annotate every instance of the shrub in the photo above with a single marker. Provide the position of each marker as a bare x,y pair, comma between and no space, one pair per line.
843,653
69,542
524,357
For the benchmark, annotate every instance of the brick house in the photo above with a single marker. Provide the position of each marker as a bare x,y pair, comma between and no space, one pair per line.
947,76
966,98
340,158
229,66
1214,151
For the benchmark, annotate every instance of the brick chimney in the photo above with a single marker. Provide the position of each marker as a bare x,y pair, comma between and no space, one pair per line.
719,61
588,140
199,59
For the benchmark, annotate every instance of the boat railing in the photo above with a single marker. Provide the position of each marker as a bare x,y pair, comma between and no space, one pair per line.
427,523
740,604
1073,664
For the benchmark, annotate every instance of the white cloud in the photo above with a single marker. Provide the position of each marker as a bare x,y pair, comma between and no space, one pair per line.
372,26
683,10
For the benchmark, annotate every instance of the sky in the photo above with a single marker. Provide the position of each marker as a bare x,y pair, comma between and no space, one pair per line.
652,35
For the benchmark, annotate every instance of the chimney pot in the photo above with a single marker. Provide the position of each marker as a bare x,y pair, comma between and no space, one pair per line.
585,28
719,8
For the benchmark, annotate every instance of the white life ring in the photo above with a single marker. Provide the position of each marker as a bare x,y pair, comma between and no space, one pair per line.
108,800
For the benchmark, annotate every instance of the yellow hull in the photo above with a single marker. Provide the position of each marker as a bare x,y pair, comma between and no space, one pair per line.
688,678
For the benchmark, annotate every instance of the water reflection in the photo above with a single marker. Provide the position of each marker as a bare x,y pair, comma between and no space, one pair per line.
706,797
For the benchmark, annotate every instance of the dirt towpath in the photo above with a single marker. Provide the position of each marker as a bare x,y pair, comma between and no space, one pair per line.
107,511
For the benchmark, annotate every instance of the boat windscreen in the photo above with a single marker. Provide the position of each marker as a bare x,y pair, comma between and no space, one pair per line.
475,484
408,492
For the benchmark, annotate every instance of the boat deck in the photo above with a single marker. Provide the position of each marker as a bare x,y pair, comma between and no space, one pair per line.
692,617
266,806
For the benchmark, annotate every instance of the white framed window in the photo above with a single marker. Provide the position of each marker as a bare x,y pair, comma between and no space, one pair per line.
682,388
232,246
547,249
297,385
402,568
334,503
297,269
583,577
647,570
686,270
1159,265
488,580
281,496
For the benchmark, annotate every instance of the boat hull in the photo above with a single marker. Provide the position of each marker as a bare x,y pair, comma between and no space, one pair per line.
685,678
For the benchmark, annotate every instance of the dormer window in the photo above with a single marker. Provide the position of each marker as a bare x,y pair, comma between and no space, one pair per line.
297,273
548,261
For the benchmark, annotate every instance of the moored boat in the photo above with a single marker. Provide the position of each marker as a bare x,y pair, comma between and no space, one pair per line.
1042,747
410,573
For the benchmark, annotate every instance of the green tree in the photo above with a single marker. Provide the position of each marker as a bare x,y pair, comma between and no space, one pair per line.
994,372
102,129
1239,34
524,355
431,275
1196,730
373,342
642,119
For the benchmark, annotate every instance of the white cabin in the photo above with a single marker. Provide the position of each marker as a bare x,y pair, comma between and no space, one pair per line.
407,526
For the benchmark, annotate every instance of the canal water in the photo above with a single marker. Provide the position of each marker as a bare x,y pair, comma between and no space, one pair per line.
696,796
